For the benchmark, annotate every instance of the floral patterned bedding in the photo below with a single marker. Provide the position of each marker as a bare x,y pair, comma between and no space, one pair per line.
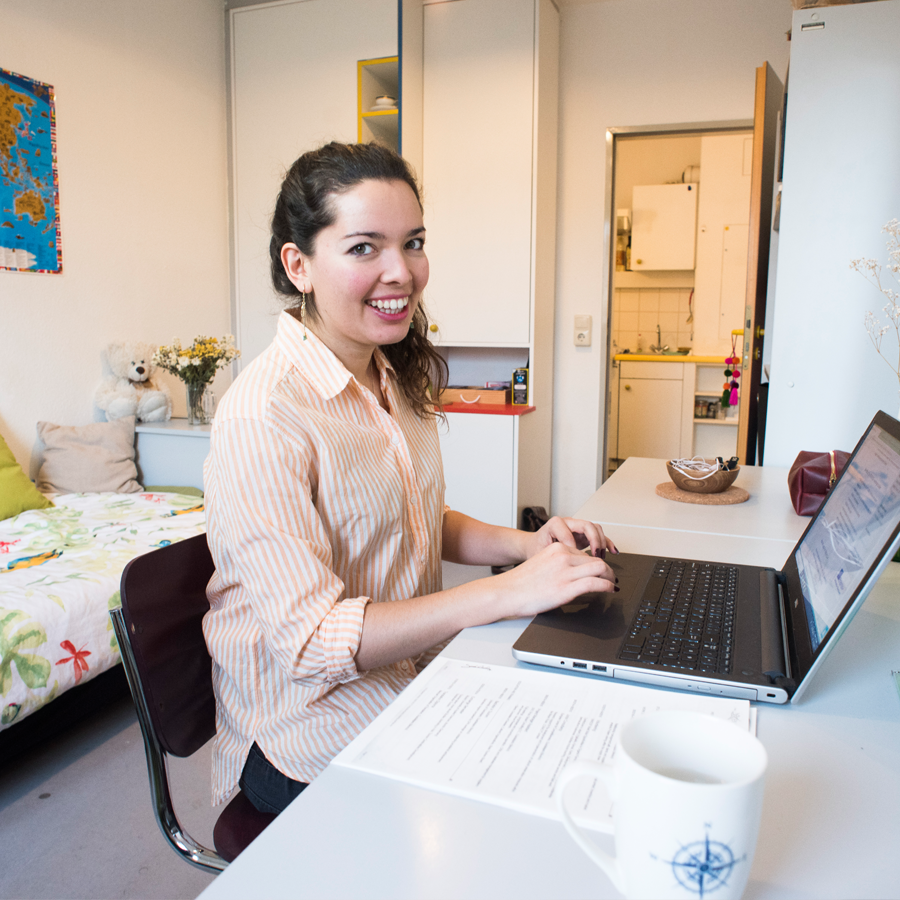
59,575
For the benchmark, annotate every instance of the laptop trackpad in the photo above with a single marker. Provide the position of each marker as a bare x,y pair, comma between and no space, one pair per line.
589,622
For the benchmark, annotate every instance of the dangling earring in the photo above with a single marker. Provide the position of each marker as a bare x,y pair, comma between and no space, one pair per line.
303,312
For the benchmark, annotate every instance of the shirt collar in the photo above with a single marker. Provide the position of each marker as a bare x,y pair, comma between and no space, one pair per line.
324,371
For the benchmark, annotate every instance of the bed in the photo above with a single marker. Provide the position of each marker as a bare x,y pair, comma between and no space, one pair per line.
59,575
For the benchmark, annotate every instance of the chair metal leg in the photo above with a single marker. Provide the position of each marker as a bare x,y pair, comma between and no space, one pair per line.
180,841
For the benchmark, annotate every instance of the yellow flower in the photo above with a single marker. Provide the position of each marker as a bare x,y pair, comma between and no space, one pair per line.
198,363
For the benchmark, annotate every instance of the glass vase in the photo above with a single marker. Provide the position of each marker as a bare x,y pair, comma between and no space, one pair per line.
200,403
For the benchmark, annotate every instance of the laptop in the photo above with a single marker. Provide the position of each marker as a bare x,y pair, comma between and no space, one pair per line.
734,630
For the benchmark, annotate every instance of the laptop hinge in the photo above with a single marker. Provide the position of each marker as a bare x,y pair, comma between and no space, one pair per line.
773,632
786,647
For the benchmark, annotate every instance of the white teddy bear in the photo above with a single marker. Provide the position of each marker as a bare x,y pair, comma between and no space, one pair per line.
131,389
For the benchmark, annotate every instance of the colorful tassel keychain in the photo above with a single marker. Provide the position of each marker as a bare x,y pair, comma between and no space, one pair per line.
730,388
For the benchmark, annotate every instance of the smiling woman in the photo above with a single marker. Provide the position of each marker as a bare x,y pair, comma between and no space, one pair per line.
364,282
347,232
325,492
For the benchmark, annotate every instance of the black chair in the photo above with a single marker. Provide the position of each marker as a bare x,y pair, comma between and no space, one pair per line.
169,671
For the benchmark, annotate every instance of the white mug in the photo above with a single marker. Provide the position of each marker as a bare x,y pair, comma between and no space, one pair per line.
687,793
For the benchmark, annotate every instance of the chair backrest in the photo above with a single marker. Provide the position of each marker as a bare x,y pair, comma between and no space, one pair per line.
163,604
160,632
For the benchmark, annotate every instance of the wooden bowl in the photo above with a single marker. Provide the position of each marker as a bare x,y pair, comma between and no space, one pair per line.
714,484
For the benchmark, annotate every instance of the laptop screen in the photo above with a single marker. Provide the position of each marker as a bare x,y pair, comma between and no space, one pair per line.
851,531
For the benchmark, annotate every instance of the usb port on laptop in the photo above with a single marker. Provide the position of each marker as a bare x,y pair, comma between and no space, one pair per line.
578,665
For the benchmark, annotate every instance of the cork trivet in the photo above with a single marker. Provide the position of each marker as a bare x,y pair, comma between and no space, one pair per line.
733,494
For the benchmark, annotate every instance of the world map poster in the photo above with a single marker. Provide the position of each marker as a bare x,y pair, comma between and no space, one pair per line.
29,184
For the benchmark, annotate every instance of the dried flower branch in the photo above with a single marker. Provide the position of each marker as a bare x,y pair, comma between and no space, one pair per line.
872,272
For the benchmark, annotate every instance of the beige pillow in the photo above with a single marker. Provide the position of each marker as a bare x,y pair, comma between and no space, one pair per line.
88,458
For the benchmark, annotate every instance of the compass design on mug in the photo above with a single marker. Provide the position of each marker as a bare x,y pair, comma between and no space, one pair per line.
704,866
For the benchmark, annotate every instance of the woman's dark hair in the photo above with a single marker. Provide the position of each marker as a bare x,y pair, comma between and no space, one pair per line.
304,207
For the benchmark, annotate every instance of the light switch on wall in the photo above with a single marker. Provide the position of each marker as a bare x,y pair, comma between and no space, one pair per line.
583,331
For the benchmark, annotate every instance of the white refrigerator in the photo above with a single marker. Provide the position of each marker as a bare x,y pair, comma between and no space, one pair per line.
841,184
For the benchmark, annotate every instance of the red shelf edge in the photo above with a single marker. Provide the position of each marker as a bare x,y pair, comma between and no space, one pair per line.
486,409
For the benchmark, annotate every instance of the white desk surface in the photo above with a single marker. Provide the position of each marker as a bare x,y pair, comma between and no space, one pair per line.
831,818
629,498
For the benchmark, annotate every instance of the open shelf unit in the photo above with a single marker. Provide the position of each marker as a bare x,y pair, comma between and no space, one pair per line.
714,442
377,78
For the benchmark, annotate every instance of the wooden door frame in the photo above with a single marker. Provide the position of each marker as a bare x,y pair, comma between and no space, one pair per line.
769,97
609,243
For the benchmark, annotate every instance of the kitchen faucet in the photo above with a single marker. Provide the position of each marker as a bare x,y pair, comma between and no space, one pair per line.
658,346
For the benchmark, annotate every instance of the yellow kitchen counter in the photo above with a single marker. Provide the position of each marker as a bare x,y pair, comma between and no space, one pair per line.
669,357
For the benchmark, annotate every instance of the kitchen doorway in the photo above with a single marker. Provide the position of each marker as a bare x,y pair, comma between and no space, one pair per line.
678,209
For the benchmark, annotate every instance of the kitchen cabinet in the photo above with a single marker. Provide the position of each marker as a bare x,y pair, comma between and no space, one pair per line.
631,280
653,410
480,455
650,418
489,82
611,453
723,230
664,226
489,148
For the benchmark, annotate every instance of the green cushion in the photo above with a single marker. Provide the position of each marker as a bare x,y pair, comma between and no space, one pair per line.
173,489
17,493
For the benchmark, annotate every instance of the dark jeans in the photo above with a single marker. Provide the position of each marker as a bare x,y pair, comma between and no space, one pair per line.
266,788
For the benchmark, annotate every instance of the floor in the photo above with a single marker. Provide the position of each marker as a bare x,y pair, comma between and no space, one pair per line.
76,819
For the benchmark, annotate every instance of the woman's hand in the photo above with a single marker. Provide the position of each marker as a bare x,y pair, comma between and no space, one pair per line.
554,572
555,575
577,534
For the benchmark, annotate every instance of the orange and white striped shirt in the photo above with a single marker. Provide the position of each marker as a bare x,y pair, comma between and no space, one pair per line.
318,502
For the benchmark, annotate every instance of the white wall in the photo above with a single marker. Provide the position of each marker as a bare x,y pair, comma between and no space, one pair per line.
632,63
140,105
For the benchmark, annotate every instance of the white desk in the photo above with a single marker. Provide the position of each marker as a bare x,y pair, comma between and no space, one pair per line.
831,820
628,507
629,498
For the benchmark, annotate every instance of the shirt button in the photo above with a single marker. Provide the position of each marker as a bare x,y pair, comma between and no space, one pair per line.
395,439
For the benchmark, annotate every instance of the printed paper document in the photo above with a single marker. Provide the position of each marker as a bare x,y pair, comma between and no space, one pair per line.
503,734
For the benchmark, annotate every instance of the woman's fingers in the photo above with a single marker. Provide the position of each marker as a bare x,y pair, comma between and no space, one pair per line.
558,530
577,533
590,534
555,576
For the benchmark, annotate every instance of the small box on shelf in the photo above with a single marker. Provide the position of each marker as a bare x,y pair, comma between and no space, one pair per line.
472,395
520,387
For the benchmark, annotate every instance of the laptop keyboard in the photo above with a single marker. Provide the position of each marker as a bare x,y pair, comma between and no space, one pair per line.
686,619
